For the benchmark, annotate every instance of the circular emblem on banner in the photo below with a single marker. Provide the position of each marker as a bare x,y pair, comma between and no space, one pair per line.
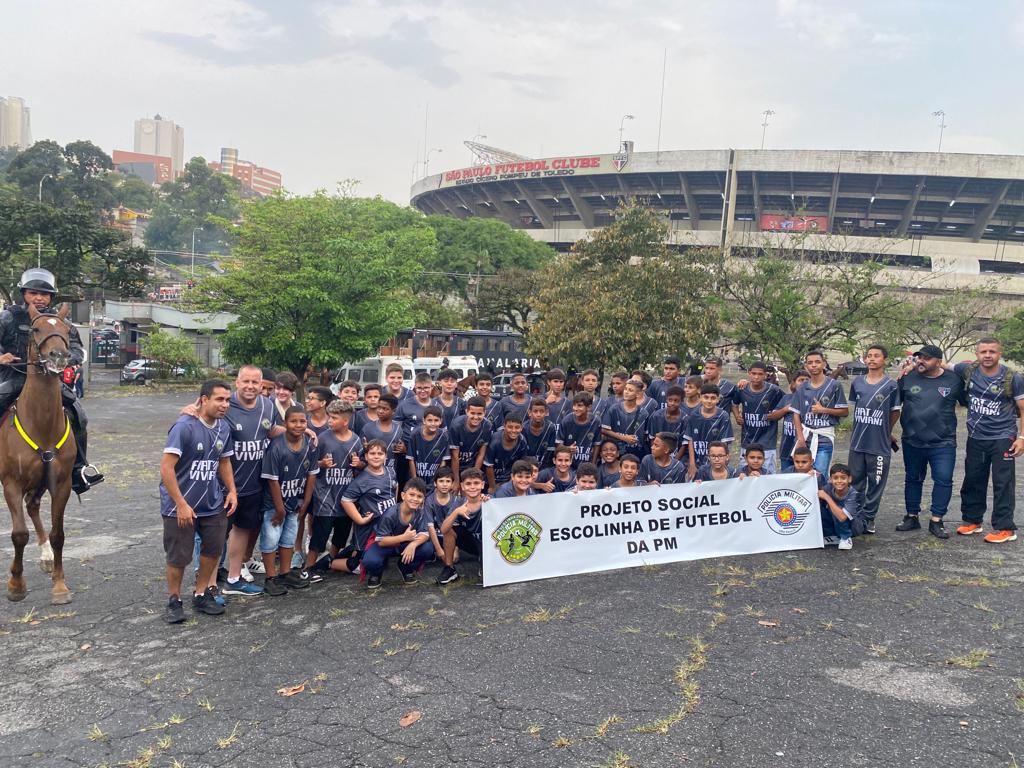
784,511
516,538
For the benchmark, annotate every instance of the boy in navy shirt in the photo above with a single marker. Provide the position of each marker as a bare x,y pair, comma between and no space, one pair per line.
523,472
518,403
579,430
705,426
505,449
468,437
371,398
691,395
589,382
625,422
462,528
560,477
586,477
386,430
401,531
754,462
558,404
452,406
317,400
759,408
365,500
540,433
410,411
718,467
484,386
428,448
669,418
840,504
661,467
196,463
629,469
788,443
608,470
669,378
817,405
338,459
439,503
288,465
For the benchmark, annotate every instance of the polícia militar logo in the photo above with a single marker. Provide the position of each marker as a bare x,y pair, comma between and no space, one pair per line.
784,511
516,538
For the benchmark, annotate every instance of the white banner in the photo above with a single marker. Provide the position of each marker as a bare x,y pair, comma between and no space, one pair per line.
536,537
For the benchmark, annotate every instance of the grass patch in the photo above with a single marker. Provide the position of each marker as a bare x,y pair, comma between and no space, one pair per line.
973,659
630,630
562,742
718,619
544,615
534,730
602,730
1019,698
775,569
408,626
619,760
749,610
206,704
663,725
96,733
338,613
231,738
981,607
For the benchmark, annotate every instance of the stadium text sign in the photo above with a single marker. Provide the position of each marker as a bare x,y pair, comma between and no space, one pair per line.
775,223
536,537
530,169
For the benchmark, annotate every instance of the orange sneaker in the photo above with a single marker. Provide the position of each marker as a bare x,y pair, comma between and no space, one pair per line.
968,528
999,537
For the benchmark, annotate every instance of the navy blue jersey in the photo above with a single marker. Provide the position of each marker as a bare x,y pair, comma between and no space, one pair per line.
701,430
788,444
360,419
468,442
492,413
561,486
850,503
756,406
704,472
392,524
428,455
726,390
650,470
372,431
606,478
600,405
558,409
410,416
250,428
686,409
507,405
624,422
437,511
659,422
584,436
540,447
659,388
199,449
331,482
372,494
762,472
473,525
507,491
450,412
830,394
872,406
290,468
991,415
501,458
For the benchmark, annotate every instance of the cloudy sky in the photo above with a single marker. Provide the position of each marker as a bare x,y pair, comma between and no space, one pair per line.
333,90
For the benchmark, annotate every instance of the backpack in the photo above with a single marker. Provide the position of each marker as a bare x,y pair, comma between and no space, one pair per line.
1007,379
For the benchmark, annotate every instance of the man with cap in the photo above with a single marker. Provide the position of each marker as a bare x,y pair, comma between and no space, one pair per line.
38,288
930,394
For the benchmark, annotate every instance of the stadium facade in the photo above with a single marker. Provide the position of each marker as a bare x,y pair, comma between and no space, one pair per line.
958,216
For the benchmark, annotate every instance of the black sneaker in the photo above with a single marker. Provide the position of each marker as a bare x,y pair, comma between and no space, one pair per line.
293,580
312,577
869,527
205,603
411,577
222,575
936,529
372,582
448,575
910,523
174,614
274,587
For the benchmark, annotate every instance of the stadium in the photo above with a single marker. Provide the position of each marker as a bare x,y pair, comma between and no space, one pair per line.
958,216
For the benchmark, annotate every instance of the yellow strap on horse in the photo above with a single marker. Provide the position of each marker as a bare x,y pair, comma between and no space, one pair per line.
31,442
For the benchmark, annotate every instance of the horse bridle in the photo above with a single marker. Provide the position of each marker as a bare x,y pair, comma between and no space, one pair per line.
38,345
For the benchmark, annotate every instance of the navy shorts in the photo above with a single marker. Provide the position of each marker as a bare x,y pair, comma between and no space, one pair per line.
248,513
337,529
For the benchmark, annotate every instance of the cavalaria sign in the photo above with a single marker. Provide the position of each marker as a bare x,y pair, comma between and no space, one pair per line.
535,537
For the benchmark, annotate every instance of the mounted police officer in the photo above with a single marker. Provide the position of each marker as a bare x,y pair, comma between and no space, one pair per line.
38,288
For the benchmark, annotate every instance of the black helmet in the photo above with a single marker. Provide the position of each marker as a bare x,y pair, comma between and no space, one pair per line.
37,279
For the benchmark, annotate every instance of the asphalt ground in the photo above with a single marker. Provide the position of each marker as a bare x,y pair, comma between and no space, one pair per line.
904,651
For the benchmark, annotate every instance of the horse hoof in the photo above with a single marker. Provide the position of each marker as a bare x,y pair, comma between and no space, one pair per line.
14,596
61,598
46,557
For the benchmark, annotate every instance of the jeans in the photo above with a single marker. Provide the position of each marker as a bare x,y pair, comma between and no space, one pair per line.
274,536
985,457
831,526
916,462
376,558
823,459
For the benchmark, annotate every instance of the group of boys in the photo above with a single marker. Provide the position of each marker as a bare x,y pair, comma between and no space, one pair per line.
268,468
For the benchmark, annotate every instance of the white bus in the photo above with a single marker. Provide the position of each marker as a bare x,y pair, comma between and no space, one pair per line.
371,370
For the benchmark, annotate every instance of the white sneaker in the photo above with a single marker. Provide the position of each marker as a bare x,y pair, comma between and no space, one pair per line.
846,543
255,566
246,576
831,541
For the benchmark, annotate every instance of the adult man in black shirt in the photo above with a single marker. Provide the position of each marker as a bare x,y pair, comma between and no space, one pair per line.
930,394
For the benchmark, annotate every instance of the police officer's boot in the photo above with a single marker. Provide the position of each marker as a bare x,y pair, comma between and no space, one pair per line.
84,475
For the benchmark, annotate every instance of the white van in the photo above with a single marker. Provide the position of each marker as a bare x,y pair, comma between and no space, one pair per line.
371,370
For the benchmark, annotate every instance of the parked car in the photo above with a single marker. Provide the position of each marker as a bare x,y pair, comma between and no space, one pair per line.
141,370
502,384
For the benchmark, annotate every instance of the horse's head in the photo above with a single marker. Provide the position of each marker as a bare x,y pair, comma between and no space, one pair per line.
49,346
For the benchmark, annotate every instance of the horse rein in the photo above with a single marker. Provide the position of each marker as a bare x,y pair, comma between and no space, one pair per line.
38,345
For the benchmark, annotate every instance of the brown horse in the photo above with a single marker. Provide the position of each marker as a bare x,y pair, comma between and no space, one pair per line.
37,452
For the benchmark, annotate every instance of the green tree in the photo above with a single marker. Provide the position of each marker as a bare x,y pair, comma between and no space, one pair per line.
171,351
134,193
503,300
623,297
782,302
1010,331
200,197
79,174
318,279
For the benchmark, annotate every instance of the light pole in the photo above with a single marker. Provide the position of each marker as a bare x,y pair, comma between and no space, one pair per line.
622,124
426,161
194,230
764,126
415,165
942,124
39,235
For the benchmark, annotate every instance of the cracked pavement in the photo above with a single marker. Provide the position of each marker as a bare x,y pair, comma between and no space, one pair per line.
905,651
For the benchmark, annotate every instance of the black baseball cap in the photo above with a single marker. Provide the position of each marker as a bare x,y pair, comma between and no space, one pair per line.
929,350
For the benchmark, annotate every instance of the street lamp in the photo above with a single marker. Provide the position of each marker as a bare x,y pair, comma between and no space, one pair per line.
39,235
194,230
942,124
426,160
621,126
764,126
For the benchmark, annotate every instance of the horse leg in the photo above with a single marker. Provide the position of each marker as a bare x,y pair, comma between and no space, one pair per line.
58,501
45,550
19,536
